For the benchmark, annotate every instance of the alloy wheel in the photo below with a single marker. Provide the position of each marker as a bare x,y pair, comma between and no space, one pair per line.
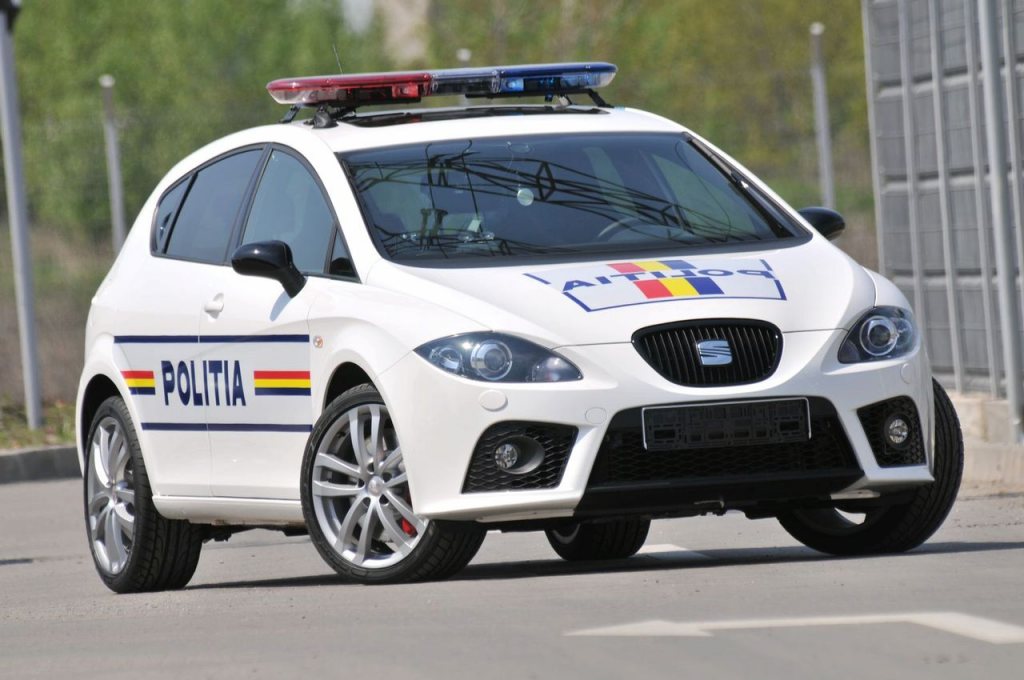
110,494
360,492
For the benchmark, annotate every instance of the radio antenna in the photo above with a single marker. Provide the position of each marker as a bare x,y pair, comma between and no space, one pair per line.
336,57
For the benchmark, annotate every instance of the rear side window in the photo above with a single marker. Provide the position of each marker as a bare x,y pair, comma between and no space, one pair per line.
202,229
165,213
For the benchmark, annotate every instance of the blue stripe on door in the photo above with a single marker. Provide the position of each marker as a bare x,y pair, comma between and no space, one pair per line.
226,427
205,339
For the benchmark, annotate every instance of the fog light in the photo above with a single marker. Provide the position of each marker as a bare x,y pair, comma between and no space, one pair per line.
518,455
506,456
897,431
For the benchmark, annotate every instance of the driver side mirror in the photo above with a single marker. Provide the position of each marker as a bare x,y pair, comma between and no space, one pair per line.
271,260
828,223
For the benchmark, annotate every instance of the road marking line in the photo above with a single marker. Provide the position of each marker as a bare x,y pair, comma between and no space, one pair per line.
964,625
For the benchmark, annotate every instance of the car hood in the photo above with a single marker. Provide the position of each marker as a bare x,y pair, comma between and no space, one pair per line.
812,286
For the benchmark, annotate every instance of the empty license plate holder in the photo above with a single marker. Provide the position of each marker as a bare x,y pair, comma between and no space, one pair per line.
726,424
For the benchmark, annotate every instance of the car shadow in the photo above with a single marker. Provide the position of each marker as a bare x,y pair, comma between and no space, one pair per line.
652,562
703,559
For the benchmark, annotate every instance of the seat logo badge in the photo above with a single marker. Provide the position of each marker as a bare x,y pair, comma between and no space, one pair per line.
714,352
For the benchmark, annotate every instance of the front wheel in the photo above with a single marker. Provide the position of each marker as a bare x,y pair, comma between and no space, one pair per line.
896,528
357,504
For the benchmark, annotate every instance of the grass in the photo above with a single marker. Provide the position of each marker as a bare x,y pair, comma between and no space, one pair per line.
66,271
58,426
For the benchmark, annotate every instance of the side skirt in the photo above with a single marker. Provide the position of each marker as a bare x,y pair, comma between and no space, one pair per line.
231,511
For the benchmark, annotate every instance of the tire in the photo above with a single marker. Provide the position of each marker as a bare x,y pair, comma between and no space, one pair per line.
613,540
896,528
348,484
134,548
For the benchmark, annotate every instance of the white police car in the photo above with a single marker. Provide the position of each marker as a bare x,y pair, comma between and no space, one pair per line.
398,329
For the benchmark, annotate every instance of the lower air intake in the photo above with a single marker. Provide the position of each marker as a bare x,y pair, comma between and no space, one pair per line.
553,441
874,419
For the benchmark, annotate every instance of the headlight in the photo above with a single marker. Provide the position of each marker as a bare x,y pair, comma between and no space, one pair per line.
882,333
494,357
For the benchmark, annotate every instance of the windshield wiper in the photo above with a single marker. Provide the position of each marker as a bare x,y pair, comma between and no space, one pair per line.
742,186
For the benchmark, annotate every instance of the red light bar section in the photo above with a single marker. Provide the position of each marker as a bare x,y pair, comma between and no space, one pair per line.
364,88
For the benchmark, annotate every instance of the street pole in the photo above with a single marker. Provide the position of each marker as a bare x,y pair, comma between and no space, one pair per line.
113,163
463,55
995,134
10,129
821,126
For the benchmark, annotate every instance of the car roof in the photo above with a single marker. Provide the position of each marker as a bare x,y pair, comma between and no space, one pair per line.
393,128
353,134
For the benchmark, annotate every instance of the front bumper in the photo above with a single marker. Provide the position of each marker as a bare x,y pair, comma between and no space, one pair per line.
440,418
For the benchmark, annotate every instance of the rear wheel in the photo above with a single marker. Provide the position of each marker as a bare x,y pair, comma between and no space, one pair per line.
357,505
134,548
896,528
613,540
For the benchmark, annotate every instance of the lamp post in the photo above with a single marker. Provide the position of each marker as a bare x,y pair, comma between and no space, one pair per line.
10,129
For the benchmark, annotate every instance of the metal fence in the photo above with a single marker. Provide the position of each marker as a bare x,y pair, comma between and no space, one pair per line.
937,237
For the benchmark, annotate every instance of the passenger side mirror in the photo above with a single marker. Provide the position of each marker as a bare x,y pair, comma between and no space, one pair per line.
272,260
829,223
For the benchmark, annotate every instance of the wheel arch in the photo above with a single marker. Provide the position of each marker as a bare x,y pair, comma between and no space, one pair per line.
344,377
99,388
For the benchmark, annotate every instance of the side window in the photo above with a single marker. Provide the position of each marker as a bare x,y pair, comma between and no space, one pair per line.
290,207
165,213
203,227
341,264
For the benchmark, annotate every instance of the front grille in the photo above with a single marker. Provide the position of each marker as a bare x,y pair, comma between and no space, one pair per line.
873,419
671,350
556,441
622,459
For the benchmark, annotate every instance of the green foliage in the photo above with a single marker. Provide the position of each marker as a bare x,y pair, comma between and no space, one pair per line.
736,71
189,71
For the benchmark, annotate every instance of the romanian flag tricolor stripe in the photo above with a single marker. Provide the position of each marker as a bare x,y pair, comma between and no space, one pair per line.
281,375
281,383
678,287
139,382
650,266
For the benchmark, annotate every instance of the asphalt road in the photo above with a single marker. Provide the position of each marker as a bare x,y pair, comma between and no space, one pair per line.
712,598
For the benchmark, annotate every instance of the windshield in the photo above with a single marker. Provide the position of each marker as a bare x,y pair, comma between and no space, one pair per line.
549,195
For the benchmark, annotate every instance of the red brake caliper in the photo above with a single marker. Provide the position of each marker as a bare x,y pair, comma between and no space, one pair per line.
407,526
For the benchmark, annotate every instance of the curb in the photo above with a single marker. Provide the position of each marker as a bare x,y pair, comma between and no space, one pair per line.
993,468
49,462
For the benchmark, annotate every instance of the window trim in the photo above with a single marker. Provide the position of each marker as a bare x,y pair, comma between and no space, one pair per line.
190,178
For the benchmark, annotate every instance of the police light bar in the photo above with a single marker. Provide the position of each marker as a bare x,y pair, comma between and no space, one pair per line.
411,86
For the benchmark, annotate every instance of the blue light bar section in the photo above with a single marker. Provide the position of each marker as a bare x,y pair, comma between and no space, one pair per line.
523,80
541,79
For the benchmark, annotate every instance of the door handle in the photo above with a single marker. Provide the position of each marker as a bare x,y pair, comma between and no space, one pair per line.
216,305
